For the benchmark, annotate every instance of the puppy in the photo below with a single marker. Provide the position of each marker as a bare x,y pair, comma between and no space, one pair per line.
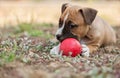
83,24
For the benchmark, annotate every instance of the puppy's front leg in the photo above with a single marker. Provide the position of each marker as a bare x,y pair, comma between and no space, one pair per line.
88,49
55,50
91,46
85,50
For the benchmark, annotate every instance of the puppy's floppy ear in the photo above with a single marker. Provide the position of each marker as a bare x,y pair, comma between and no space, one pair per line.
64,6
88,14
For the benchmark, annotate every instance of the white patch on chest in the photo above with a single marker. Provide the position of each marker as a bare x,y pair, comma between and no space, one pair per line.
59,31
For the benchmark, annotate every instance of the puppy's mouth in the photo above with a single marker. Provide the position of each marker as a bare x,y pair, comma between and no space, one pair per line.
65,36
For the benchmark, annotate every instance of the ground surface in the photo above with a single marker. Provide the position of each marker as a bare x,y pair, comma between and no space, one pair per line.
24,54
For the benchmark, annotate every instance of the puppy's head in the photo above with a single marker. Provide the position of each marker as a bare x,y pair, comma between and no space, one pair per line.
74,22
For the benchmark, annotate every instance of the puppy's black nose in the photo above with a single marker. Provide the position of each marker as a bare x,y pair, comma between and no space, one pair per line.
58,36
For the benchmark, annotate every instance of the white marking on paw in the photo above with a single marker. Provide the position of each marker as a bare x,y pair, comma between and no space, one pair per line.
85,51
55,50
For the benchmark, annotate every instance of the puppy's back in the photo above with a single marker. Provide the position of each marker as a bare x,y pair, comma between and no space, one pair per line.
108,35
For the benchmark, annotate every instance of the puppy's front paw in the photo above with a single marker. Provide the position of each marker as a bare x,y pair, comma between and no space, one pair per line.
85,51
55,50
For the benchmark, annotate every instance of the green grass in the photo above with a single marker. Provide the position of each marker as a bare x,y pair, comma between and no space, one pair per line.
38,33
14,47
34,30
6,57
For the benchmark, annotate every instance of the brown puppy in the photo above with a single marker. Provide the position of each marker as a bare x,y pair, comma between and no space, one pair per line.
84,25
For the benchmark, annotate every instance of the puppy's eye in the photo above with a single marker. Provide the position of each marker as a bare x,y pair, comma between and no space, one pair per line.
73,25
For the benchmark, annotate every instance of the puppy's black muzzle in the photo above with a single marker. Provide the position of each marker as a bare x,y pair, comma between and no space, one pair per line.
58,36
62,37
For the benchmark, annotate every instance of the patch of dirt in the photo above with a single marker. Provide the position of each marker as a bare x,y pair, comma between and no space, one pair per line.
36,62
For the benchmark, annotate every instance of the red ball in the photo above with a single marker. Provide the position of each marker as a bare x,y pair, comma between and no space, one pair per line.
70,47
